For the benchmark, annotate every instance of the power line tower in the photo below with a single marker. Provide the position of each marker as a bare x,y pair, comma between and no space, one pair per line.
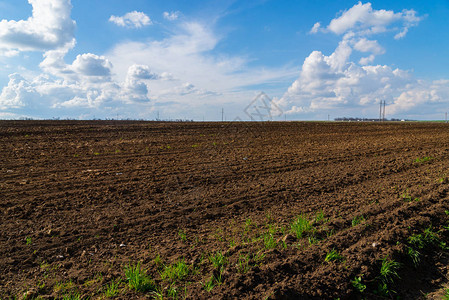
382,110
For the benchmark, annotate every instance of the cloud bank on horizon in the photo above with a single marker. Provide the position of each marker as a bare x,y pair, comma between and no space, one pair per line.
185,73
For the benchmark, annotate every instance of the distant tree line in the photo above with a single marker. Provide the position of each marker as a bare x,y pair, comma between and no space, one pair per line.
350,119
106,119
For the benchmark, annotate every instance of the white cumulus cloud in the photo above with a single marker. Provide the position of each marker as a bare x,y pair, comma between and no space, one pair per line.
364,45
330,82
49,27
177,75
141,72
86,83
316,27
367,60
17,93
327,85
132,19
363,19
322,85
136,86
91,65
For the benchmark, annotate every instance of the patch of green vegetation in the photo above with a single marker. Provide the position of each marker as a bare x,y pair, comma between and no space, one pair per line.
268,217
407,197
40,285
214,280
209,284
258,258
446,294
432,238
62,287
248,224
172,291
97,279
333,255
219,234
111,289
358,285
269,241
182,235
414,255
44,265
72,296
383,290
312,240
138,279
388,270
176,272
387,274
319,216
357,220
158,261
330,233
243,265
417,242
302,227
28,240
247,261
424,159
218,260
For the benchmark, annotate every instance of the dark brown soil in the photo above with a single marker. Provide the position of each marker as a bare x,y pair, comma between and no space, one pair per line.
82,201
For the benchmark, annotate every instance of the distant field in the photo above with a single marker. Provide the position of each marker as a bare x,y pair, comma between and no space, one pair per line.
274,210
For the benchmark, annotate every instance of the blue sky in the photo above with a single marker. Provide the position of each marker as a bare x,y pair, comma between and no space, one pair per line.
189,59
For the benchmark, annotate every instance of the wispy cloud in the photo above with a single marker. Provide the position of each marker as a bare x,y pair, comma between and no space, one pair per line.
171,16
186,54
132,19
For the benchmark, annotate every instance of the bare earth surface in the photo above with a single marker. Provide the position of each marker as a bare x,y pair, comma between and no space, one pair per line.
212,210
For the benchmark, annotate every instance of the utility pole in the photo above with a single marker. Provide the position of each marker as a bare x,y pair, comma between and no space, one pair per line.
222,114
380,111
383,114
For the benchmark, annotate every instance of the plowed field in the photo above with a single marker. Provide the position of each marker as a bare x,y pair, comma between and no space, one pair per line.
288,210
